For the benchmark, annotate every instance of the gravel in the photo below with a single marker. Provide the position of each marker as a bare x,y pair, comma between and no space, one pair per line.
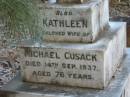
9,66
121,8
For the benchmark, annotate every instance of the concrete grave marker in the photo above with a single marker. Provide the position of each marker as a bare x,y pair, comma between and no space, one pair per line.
83,65
73,22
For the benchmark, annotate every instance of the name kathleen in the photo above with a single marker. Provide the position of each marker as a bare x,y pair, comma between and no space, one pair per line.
66,55
65,23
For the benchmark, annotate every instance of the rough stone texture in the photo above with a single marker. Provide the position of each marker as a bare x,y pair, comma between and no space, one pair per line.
8,65
120,11
69,1
119,84
119,8
126,92
104,13
95,12
100,60
87,13
74,1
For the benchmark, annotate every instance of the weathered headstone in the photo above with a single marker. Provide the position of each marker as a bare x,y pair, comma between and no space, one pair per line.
74,22
119,87
74,64
83,65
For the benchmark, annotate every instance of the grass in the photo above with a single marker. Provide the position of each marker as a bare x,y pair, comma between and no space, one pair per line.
21,18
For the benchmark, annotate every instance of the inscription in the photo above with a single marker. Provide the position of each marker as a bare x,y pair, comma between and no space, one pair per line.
73,33
58,22
80,56
60,74
60,33
79,76
63,75
64,13
88,67
33,63
40,54
54,55
65,23
41,73
51,65
62,64
68,66
68,33
61,23
73,76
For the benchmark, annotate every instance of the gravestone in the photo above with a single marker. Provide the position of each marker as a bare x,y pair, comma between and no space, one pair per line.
74,22
118,87
76,63
81,49
83,65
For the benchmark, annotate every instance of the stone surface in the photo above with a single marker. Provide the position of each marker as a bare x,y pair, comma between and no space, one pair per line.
82,65
119,87
73,22
69,1
126,92
104,13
